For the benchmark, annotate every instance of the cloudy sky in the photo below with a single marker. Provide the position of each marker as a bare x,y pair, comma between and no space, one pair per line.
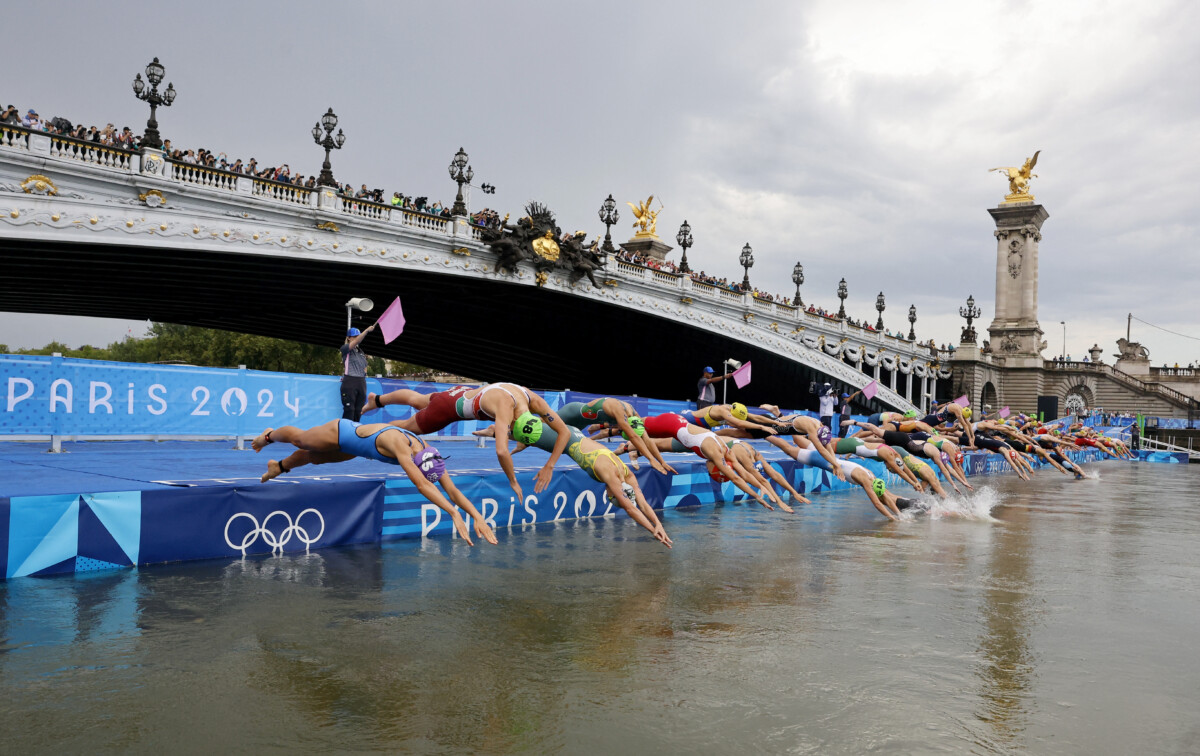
854,137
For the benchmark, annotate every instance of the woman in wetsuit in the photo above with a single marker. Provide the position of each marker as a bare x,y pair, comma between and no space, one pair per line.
340,440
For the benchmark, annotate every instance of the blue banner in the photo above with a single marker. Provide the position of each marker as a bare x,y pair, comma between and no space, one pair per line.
62,396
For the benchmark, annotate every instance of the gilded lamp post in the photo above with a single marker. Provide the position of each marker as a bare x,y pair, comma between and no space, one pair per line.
970,312
912,322
880,305
684,239
154,74
609,217
747,261
461,173
798,278
843,292
327,124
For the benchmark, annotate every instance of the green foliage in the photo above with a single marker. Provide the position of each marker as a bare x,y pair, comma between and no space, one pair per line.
167,342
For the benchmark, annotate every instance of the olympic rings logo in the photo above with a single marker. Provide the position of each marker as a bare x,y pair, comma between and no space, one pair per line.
276,542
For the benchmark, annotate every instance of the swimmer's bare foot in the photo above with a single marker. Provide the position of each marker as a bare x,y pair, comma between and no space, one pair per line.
263,439
488,432
274,470
372,403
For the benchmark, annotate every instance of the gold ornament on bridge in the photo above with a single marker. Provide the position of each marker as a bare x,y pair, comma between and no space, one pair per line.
546,247
328,226
39,184
1018,180
153,198
647,219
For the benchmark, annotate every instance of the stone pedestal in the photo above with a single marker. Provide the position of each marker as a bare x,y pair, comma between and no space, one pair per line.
1016,336
650,246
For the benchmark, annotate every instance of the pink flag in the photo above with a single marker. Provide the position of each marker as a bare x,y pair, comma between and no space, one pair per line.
1004,412
391,322
870,390
741,376
962,401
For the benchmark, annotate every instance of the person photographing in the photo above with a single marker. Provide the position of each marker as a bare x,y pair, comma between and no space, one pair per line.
354,374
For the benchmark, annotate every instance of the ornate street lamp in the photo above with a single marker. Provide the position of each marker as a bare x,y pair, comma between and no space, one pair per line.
798,278
609,217
329,142
912,322
842,294
747,261
970,312
154,74
881,306
461,173
684,240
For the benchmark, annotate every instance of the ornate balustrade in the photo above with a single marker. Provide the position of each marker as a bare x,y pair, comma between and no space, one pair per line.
199,175
14,137
290,193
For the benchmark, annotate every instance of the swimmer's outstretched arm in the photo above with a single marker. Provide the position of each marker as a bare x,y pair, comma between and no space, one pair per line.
427,489
482,529
539,407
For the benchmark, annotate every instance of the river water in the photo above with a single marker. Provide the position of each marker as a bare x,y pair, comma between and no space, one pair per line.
1053,617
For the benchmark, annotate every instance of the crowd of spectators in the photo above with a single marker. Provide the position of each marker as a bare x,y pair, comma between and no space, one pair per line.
125,139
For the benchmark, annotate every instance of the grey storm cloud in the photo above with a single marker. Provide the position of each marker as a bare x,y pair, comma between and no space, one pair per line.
852,137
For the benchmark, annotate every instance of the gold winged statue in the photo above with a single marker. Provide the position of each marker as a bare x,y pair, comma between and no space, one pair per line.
1018,179
647,219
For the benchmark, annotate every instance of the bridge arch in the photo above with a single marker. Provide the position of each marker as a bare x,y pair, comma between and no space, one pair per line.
1078,399
988,396
146,238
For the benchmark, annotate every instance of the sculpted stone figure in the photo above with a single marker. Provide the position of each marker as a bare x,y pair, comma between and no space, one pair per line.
1018,178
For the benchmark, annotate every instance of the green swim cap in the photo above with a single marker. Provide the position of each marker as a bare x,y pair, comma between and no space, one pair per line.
910,414
879,486
638,426
527,429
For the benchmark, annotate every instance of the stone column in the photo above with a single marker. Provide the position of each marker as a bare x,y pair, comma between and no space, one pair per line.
1016,335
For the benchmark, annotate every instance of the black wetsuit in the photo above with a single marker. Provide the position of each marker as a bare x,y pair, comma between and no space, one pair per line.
904,441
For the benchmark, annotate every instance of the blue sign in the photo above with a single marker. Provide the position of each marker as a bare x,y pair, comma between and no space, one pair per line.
61,396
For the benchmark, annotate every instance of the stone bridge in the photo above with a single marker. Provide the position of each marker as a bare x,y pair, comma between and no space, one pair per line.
91,230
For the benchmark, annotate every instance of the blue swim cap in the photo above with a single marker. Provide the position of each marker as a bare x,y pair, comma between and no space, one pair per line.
352,333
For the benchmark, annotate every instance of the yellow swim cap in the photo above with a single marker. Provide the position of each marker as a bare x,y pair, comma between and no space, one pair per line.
967,413
739,411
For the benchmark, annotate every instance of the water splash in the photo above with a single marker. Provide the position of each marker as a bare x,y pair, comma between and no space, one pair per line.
977,506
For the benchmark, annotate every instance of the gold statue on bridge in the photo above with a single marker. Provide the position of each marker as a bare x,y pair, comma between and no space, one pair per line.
1018,180
647,219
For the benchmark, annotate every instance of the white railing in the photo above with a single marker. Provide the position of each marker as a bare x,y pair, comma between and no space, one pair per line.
425,222
10,137
364,209
90,152
663,277
296,195
763,304
727,294
187,173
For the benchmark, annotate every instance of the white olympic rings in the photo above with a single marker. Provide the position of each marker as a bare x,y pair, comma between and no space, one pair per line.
275,542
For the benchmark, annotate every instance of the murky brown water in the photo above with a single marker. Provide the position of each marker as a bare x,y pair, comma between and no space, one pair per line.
1064,623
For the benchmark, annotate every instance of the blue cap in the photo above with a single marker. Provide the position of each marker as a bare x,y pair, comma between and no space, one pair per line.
845,395
709,370
352,333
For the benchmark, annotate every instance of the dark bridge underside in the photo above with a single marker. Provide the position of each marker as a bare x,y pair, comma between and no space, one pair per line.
474,327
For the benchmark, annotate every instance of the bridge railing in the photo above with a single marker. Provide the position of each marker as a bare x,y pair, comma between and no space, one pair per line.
281,192
200,175
14,137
